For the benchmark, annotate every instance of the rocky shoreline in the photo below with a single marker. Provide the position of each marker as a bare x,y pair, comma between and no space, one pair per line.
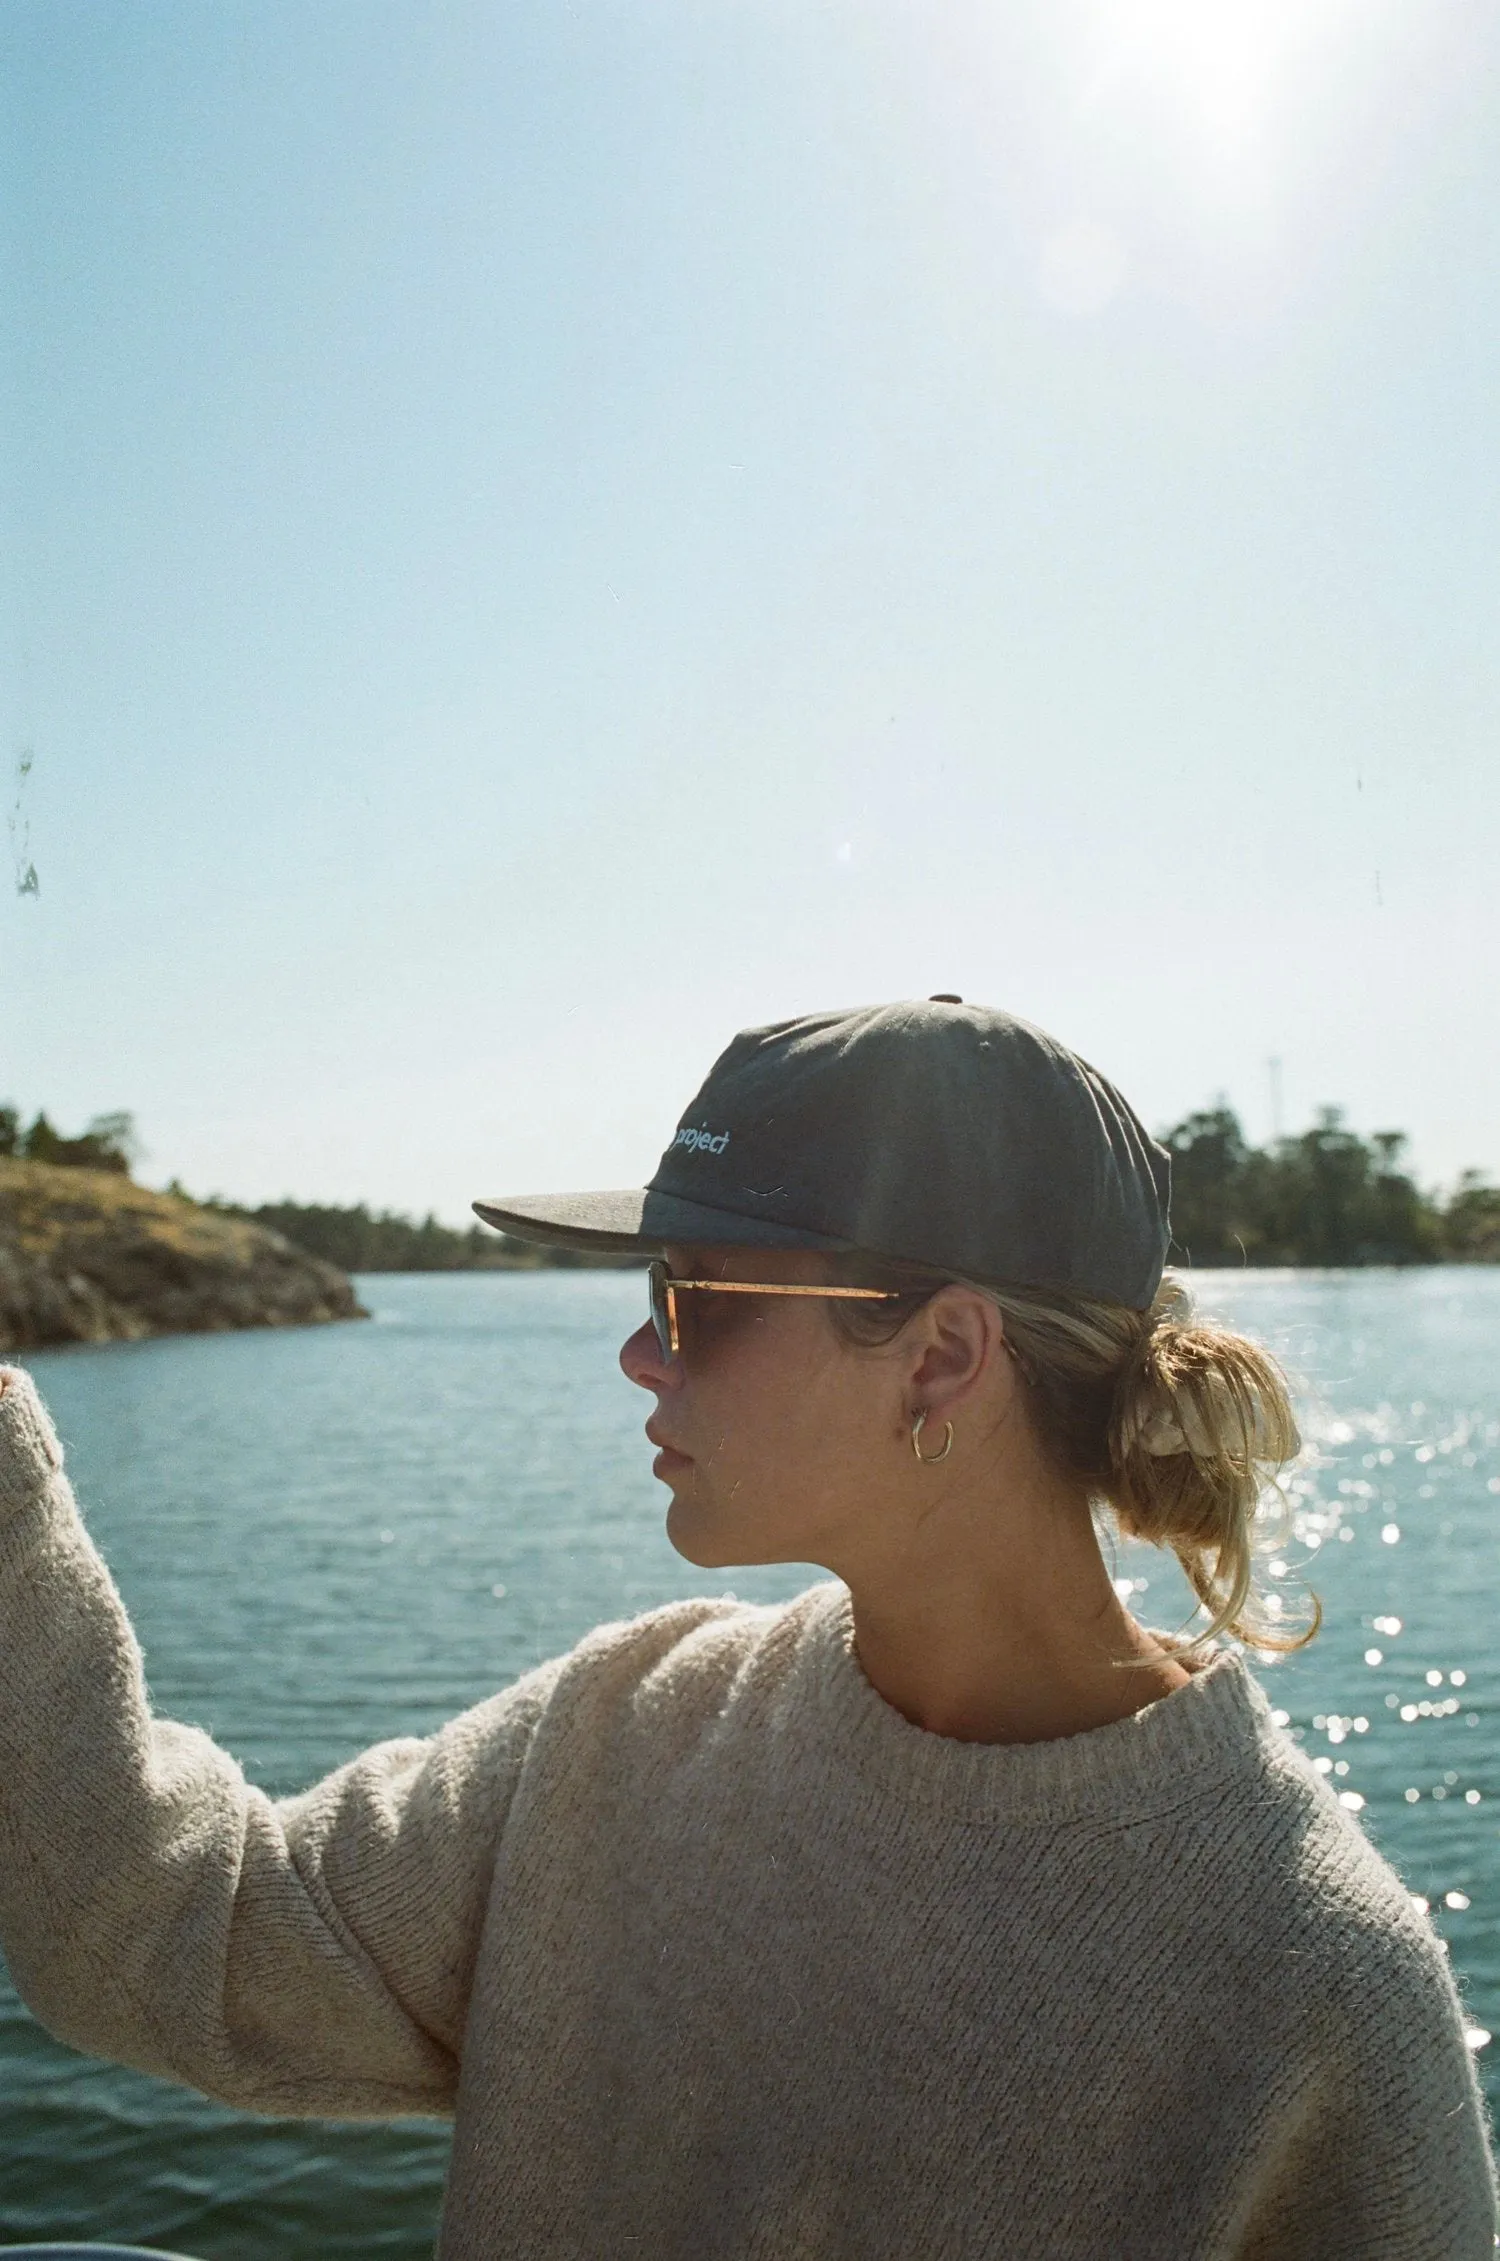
88,1256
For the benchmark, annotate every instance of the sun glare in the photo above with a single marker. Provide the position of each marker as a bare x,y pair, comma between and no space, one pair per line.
1219,63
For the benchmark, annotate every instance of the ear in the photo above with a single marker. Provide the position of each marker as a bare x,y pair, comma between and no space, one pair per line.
959,1347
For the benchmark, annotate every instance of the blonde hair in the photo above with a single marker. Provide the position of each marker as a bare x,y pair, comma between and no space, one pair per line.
1179,1426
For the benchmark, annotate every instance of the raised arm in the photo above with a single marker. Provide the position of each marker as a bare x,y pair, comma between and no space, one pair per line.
307,1957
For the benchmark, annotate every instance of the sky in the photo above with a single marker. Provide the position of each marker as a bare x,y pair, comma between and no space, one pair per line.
534,537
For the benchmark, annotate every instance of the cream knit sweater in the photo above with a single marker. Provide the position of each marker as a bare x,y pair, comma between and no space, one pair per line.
711,1953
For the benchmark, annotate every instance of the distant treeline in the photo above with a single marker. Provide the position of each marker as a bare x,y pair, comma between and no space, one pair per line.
365,1240
1326,1196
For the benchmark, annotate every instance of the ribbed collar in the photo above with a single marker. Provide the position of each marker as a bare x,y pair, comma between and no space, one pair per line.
1218,1726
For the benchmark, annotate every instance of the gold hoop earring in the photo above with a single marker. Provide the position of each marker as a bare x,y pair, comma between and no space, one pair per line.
930,1459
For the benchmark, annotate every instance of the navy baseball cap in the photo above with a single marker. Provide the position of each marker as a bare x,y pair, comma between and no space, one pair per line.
935,1132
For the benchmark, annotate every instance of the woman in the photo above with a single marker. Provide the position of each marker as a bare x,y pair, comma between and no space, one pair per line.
943,1911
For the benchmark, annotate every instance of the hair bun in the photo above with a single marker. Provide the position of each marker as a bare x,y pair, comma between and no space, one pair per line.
1202,1422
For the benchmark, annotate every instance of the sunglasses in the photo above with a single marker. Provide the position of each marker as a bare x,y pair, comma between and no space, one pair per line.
664,1291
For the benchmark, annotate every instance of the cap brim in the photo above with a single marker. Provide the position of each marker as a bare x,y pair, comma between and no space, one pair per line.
639,1219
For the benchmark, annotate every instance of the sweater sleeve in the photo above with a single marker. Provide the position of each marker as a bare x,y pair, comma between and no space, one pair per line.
1385,2155
312,1956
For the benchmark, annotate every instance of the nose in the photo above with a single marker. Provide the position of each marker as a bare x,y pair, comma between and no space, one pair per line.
641,1361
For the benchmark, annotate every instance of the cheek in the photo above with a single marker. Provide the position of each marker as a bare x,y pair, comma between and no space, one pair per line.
786,1421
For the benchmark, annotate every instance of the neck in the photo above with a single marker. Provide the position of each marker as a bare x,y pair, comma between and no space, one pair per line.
998,1623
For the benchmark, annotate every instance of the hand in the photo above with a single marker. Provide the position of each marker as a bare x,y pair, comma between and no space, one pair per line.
26,1429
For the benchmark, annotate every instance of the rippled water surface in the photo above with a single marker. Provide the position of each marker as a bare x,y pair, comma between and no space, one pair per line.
335,1535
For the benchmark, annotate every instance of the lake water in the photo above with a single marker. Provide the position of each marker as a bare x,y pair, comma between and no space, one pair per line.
335,1535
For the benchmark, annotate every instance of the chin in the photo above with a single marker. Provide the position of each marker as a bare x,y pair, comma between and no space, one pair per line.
733,1546
691,1534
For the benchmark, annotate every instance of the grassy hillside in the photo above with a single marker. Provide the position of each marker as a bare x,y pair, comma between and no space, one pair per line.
88,1256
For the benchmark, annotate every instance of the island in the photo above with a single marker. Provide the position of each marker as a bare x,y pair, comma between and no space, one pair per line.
87,1255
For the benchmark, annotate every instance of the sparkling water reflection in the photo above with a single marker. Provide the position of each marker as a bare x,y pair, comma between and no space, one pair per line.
335,1535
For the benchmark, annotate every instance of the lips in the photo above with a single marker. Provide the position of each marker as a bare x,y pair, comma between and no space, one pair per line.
666,1451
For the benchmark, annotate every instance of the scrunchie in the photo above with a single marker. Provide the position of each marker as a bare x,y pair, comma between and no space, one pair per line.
1227,1425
